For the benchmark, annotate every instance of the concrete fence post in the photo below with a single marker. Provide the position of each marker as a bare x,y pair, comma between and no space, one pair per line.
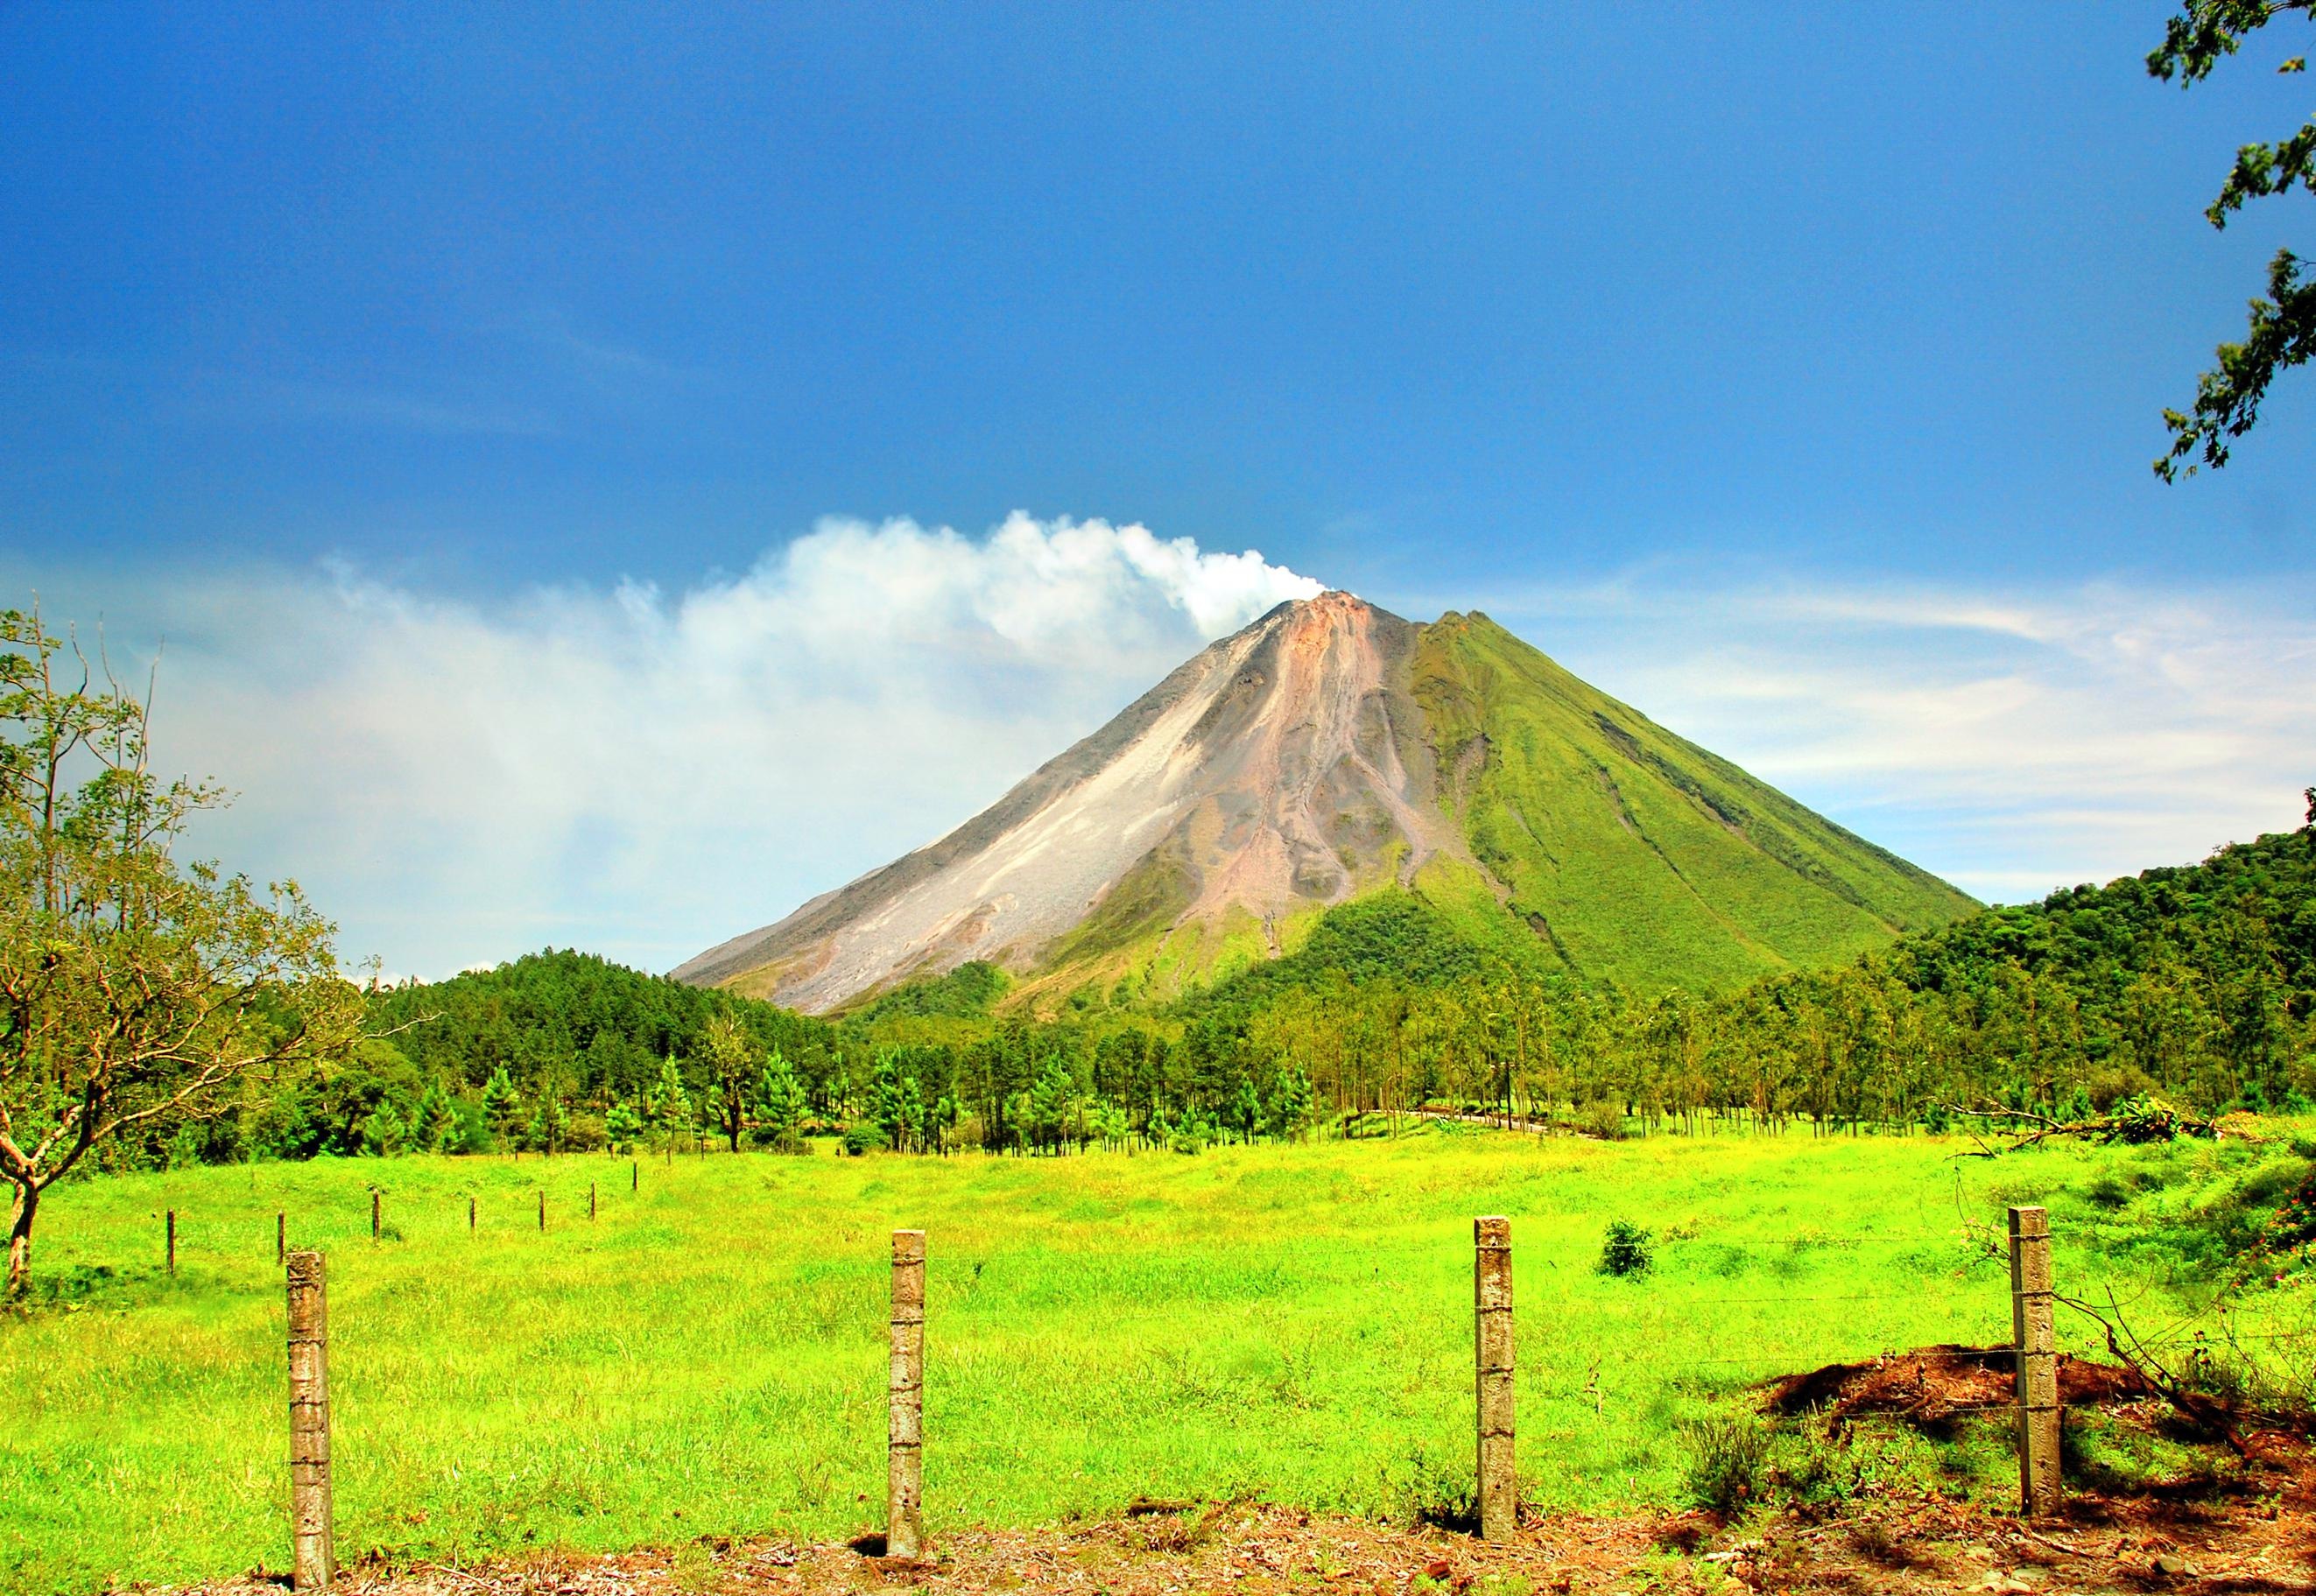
2031,1327
906,1431
314,1553
1491,1276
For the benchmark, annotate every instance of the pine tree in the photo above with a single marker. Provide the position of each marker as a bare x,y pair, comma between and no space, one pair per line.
944,1114
1244,1114
502,1106
1290,1104
548,1123
384,1135
435,1126
623,1127
780,1104
1050,1102
897,1103
667,1106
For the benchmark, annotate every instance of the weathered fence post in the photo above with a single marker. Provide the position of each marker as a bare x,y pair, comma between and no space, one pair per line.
636,1176
2038,1362
906,1431
173,1241
542,1213
471,1211
373,1213
314,1555
281,1239
1491,1279
591,1202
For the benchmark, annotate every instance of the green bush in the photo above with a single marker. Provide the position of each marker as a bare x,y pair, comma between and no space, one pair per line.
864,1136
1603,1118
1728,1457
1626,1250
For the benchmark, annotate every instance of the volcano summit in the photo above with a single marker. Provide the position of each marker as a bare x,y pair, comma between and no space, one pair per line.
1330,750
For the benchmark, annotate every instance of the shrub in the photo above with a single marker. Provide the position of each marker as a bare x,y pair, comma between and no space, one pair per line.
1626,1250
2139,1121
863,1136
1603,1118
1438,1492
1728,1456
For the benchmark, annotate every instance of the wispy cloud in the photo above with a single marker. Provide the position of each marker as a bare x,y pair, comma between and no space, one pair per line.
642,771
275,404
2014,741
603,361
646,771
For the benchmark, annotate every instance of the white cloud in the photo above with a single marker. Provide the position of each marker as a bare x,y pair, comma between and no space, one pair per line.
2012,740
644,773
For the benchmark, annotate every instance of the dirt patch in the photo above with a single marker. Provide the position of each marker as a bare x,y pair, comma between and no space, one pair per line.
1933,1386
2259,1539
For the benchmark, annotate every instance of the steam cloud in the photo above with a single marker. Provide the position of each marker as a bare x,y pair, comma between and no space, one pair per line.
641,772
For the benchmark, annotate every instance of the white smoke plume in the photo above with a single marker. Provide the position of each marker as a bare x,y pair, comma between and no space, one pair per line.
641,772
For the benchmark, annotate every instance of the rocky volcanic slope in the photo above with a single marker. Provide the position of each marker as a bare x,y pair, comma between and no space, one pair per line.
1327,750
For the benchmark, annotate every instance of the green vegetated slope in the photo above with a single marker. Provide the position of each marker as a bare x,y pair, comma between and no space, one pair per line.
2195,983
2245,918
1596,843
1636,856
2198,979
1290,1323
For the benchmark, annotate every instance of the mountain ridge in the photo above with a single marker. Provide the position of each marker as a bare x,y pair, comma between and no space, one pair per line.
1330,749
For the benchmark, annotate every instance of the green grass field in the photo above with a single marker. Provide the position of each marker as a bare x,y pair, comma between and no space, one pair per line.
708,1357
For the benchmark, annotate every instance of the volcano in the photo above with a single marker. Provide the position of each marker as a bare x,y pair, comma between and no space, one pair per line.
1328,751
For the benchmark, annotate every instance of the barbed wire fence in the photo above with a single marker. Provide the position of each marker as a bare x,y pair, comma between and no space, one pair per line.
2031,1356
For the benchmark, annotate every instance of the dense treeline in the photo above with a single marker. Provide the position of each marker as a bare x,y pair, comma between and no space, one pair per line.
2195,984
555,1051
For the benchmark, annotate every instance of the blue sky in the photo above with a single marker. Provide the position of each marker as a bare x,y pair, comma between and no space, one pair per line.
1744,357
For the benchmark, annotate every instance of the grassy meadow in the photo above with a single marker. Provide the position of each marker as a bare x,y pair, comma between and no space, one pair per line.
708,1355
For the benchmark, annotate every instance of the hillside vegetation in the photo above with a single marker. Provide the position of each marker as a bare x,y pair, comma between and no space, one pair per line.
2195,984
1635,856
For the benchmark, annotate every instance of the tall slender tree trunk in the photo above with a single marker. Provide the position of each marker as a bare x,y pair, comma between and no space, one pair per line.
19,1241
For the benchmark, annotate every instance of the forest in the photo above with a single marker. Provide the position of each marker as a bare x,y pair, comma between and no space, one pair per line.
2192,986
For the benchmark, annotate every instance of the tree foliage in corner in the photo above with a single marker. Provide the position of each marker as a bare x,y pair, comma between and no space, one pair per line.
133,989
2282,330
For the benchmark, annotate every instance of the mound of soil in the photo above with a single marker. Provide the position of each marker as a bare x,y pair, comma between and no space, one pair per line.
1934,1385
